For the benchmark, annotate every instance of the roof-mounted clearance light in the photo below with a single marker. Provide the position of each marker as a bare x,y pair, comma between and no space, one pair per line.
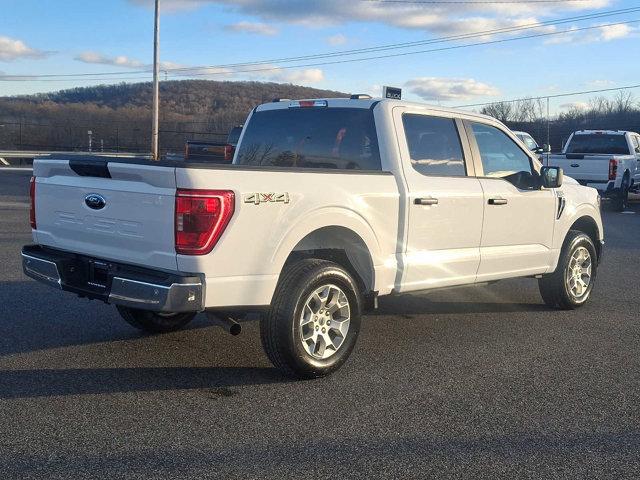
360,96
308,103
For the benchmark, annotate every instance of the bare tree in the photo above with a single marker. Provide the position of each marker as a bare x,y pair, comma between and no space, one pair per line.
503,111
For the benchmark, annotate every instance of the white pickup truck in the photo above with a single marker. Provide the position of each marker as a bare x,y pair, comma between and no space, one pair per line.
608,160
328,204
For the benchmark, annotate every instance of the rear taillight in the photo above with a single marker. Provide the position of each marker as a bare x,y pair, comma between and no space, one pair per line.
32,207
201,218
613,169
228,152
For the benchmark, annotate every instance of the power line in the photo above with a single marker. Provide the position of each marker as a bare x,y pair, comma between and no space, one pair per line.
363,59
464,36
470,2
379,48
441,49
556,95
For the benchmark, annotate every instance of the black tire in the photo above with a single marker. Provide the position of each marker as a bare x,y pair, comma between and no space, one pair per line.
620,202
553,287
280,327
155,322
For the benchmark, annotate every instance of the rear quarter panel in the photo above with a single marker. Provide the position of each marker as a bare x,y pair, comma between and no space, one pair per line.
244,266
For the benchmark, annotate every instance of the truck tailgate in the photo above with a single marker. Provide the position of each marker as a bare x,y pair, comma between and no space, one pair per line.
592,168
135,224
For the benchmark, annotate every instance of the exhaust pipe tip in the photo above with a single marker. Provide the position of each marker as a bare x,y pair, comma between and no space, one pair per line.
226,322
235,329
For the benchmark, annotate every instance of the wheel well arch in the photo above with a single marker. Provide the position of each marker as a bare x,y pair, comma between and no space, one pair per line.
342,246
589,226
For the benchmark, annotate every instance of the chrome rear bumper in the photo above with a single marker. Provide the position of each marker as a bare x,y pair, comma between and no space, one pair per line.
113,282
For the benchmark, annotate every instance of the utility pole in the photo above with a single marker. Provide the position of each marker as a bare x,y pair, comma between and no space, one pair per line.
155,155
548,125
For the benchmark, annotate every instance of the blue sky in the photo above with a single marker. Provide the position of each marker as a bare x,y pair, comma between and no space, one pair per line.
90,36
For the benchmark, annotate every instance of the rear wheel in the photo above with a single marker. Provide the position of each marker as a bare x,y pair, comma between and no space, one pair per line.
314,319
620,202
570,286
155,322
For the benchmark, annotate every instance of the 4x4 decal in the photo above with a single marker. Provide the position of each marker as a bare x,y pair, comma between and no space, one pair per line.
258,198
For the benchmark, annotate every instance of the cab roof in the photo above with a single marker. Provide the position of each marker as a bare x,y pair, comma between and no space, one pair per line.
281,104
601,132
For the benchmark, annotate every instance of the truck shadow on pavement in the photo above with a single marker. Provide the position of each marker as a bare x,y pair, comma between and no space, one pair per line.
451,302
215,382
41,326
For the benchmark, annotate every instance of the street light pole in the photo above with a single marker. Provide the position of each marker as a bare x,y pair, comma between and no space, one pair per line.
156,87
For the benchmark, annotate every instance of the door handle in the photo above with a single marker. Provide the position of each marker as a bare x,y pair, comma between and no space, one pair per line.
498,201
426,201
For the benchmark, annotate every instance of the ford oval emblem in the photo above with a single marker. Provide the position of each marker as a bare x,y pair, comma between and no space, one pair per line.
95,201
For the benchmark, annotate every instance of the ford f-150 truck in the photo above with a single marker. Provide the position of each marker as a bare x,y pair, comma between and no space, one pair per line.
328,205
607,160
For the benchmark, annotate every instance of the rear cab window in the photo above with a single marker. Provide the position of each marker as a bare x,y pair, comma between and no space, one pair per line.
314,137
598,144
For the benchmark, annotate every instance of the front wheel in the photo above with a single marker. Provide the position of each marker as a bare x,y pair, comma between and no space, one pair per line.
570,286
314,319
155,322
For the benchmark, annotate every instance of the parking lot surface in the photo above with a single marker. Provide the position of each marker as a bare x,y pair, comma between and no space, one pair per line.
484,383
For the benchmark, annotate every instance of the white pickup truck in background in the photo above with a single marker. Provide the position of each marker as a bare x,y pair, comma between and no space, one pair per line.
328,204
607,160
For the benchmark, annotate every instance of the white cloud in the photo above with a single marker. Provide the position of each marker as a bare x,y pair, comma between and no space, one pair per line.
438,19
100,59
305,76
605,33
337,39
125,62
252,27
171,6
437,89
600,84
612,32
13,49
264,72
575,106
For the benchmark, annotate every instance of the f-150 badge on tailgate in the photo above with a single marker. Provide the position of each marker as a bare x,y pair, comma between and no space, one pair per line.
258,198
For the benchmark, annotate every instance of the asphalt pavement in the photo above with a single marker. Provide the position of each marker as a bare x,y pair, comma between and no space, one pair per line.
466,383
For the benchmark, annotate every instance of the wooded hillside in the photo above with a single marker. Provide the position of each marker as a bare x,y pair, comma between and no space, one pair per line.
119,116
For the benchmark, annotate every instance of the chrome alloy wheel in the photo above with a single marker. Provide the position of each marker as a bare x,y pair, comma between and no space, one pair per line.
578,274
324,321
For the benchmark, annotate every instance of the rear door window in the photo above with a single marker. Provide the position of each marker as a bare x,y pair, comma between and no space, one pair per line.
313,137
434,145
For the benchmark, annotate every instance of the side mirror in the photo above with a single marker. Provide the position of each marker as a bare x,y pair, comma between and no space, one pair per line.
546,148
538,150
551,177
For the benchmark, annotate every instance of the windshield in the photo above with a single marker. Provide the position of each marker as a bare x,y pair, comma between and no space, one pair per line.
528,141
315,137
598,143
